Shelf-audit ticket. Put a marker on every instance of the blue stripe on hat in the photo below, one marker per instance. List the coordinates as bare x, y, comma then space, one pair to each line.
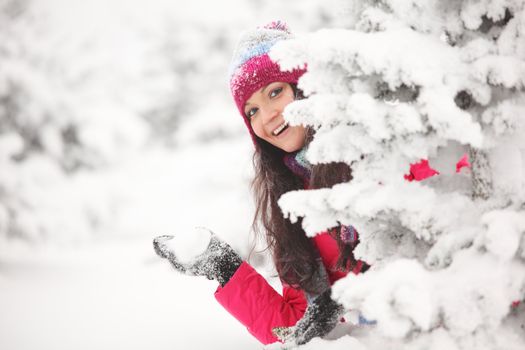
250, 52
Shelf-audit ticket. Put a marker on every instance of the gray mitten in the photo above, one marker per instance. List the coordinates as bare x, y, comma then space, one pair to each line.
320, 318
219, 261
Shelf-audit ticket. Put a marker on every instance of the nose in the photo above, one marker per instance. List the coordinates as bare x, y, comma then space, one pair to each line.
270, 112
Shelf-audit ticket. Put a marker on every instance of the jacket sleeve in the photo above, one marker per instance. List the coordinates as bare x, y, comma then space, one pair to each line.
252, 301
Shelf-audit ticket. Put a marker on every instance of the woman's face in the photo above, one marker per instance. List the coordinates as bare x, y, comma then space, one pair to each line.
264, 110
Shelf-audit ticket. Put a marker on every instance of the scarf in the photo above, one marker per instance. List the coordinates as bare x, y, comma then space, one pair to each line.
297, 163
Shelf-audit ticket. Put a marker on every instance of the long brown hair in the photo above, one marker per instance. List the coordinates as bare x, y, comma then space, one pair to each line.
294, 255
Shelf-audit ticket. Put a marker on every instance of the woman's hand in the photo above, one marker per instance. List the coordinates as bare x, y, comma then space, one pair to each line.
218, 261
320, 318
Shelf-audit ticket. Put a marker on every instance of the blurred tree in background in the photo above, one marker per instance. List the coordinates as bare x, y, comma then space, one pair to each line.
36, 117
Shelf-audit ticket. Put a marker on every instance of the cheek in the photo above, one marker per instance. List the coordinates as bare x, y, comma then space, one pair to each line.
302, 140
257, 129
301, 131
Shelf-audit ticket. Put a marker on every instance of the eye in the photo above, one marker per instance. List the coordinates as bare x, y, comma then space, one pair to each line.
251, 112
275, 92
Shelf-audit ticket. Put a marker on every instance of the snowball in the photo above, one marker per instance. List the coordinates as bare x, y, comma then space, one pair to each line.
189, 244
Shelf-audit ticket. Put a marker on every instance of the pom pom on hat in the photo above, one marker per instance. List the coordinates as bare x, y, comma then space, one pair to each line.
251, 68
278, 25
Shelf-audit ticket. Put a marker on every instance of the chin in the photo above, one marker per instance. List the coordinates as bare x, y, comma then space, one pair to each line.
291, 148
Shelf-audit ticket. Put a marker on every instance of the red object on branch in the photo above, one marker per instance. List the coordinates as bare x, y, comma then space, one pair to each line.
420, 171
463, 162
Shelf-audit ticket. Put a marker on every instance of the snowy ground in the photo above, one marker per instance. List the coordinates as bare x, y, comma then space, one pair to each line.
113, 292
111, 295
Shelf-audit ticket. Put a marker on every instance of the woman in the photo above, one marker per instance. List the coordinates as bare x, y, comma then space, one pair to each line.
306, 266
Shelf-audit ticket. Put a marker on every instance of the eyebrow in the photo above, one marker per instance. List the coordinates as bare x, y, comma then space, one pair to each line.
262, 92
264, 88
249, 103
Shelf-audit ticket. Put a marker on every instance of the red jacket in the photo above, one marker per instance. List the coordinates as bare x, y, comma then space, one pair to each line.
252, 301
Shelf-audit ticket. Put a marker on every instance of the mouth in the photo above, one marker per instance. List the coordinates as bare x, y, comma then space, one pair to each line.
280, 129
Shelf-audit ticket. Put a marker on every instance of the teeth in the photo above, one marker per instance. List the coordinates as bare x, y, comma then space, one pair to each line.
280, 128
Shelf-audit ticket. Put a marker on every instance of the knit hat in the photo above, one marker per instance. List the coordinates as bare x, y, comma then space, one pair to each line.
251, 67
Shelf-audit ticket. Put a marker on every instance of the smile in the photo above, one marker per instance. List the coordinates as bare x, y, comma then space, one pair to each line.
280, 129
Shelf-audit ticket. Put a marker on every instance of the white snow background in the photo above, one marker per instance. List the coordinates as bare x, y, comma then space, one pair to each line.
79, 271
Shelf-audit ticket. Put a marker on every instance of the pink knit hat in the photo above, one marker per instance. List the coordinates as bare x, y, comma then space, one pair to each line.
251, 67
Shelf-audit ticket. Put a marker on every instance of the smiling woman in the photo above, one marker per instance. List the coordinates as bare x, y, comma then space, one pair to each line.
306, 266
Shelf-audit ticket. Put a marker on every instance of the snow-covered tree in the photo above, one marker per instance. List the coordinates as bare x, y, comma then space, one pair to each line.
438, 85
